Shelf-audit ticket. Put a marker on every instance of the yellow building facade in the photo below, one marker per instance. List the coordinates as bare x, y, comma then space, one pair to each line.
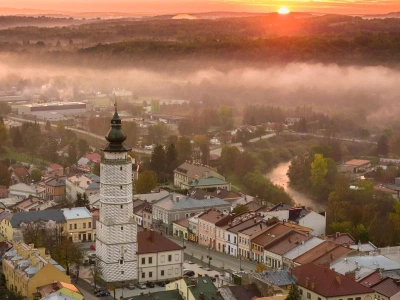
79, 224
26, 268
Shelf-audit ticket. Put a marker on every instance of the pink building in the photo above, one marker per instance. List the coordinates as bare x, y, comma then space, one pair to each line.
206, 227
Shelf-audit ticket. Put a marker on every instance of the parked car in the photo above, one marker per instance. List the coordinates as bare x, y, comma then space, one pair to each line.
141, 286
150, 284
103, 294
131, 286
161, 283
188, 273
93, 247
99, 289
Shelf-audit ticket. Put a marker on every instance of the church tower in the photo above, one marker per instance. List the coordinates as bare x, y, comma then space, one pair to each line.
116, 229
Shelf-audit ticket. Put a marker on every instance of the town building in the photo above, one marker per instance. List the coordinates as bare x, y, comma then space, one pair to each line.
186, 173
242, 222
61, 288
241, 292
12, 225
245, 237
180, 228
300, 216
275, 280
55, 188
200, 288
116, 229
55, 170
273, 252
355, 166
20, 174
159, 259
207, 226
387, 289
153, 196
21, 191
318, 282
344, 239
88, 184
26, 268
324, 254
79, 224
307, 245
148, 217
31, 203
48, 111
210, 183
193, 230
175, 206
161, 295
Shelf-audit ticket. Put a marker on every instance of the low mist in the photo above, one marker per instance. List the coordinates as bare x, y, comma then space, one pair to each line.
368, 93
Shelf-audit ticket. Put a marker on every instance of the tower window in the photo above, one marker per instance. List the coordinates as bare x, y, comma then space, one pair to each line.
120, 168
121, 261
122, 227
122, 272
120, 187
122, 206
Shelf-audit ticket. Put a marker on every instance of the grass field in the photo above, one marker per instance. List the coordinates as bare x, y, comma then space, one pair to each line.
10, 153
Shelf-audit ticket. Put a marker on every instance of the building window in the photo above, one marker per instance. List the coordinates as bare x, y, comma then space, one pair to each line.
358, 298
301, 292
170, 259
122, 272
89, 224
122, 206
120, 168
121, 261
143, 260
84, 225
143, 275
319, 298
150, 260
162, 258
308, 295
349, 298
150, 274
162, 272
70, 226
176, 257
122, 227
75, 226
120, 187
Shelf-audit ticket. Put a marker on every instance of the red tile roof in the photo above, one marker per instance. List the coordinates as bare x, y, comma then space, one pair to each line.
286, 242
326, 282
387, 287
213, 216
153, 242
371, 279
182, 222
94, 157
21, 173
315, 252
269, 235
338, 252
341, 238
55, 167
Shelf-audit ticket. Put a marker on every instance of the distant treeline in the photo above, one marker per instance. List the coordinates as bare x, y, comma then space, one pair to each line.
372, 49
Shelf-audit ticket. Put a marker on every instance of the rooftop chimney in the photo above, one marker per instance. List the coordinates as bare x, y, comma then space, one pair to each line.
338, 278
201, 295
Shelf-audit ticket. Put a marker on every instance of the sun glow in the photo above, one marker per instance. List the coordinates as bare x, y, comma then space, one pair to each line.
283, 10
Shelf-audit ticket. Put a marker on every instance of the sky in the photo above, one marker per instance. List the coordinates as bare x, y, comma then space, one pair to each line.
190, 6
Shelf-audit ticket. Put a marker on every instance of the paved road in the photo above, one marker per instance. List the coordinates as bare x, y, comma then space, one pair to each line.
217, 151
218, 259
83, 132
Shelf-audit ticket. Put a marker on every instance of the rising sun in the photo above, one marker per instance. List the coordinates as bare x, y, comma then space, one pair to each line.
283, 10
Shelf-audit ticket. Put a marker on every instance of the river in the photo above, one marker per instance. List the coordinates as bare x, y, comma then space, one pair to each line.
279, 177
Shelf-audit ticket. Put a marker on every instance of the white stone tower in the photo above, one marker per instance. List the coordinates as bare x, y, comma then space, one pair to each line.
116, 229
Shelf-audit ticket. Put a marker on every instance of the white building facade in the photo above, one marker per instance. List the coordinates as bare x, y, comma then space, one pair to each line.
116, 228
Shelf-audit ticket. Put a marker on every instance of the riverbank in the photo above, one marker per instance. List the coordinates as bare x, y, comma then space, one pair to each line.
278, 176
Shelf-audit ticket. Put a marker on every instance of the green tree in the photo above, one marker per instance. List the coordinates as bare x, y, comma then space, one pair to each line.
146, 182
240, 208
229, 155
97, 272
201, 149
3, 135
294, 293
319, 168
17, 138
172, 160
72, 154
260, 268
184, 148
60, 128
157, 133
83, 147
36, 175
5, 175
382, 146
47, 126
82, 200
158, 161
226, 118
245, 163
